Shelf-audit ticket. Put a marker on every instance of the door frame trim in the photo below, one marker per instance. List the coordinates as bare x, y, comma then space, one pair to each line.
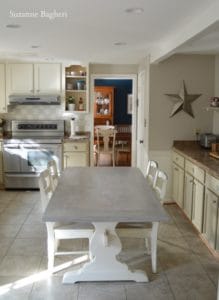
132, 77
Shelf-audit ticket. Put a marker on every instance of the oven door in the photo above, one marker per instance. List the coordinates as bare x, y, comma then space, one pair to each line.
11, 157
36, 157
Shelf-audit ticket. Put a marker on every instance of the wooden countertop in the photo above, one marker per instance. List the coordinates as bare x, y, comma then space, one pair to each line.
199, 155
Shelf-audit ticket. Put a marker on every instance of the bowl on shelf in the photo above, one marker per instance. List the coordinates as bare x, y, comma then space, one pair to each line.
214, 101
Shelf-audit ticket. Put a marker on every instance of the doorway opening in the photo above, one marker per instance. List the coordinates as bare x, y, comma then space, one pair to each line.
112, 105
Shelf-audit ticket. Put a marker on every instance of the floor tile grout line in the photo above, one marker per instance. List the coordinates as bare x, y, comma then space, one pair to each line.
15, 237
169, 285
206, 272
197, 257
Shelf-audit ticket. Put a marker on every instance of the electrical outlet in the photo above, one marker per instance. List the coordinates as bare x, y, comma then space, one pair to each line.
197, 131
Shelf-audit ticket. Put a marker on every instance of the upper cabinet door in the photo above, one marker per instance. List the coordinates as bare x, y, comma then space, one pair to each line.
47, 78
20, 78
2, 90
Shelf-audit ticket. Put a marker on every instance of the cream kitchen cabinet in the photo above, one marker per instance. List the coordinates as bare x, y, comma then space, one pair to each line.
211, 223
76, 154
178, 178
47, 78
197, 204
1, 166
194, 193
188, 193
19, 78
2, 89
29, 79
211, 216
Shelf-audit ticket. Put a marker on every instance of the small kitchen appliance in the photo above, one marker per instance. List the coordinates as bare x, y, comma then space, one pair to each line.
206, 139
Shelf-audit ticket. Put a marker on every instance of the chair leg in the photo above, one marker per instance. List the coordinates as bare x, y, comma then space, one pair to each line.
154, 232
148, 245
51, 245
117, 160
98, 160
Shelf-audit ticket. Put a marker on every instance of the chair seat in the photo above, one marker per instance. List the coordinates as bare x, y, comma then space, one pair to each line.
102, 150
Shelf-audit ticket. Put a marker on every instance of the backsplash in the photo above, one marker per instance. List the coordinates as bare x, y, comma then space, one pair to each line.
46, 112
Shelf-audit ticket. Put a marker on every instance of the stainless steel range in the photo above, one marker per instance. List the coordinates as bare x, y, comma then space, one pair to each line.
27, 153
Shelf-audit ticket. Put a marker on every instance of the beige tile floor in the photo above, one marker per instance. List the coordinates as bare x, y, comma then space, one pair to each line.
186, 269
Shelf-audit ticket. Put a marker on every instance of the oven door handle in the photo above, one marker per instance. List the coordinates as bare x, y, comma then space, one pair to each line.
31, 147
11, 147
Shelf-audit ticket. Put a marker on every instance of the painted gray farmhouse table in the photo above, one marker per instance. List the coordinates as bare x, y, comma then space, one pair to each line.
104, 196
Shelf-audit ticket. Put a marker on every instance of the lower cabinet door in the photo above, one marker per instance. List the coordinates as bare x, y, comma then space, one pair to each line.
210, 217
197, 204
188, 194
178, 185
75, 159
1, 165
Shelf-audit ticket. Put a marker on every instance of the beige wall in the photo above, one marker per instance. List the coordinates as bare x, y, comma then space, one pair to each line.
113, 69
166, 77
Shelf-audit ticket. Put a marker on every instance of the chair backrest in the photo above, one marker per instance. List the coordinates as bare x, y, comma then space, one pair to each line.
46, 188
53, 170
152, 168
160, 184
106, 136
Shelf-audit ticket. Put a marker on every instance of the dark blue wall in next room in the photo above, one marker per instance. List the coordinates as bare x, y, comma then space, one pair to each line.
123, 87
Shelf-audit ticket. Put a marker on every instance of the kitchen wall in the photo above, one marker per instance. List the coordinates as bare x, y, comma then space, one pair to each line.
113, 69
198, 73
49, 112
83, 121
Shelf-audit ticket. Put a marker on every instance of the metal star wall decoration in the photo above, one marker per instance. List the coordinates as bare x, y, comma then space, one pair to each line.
183, 101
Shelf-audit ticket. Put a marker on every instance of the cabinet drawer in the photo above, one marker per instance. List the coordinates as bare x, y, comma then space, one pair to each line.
194, 170
212, 183
178, 159
76, 147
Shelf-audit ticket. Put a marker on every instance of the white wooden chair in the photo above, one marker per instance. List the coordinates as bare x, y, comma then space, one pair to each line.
53, 170
106, 136
122, 147
160, 184
152, 168
145, 230
57, 232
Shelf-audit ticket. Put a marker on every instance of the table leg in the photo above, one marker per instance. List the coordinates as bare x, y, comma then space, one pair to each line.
154, 232
104, 246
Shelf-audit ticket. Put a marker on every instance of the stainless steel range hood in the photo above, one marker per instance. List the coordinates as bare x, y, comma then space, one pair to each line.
34, 100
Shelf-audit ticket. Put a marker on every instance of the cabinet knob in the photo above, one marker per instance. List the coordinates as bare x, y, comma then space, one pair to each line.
76, 147
176, 169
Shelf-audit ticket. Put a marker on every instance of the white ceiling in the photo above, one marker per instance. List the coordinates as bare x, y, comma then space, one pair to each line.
91, 28
207, 42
